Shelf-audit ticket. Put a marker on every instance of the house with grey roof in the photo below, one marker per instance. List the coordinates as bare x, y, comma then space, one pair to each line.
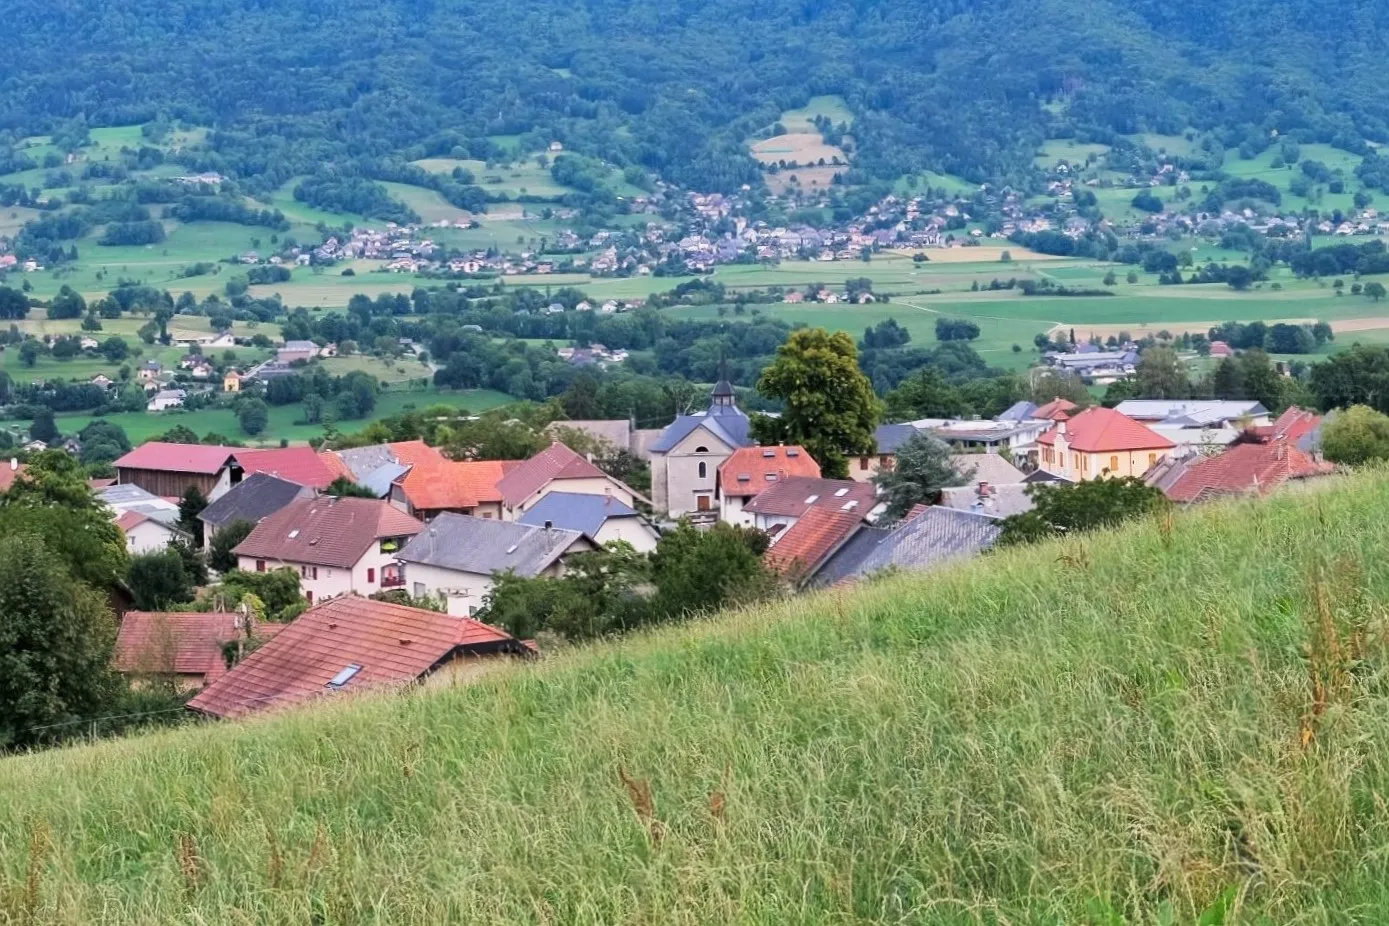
934, 537
685, 459
1194, 413
456, 557
888, 438
253, 499
602, 519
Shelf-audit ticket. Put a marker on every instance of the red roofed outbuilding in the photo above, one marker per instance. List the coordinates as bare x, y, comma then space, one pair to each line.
353, 644
1098, 443
190, 647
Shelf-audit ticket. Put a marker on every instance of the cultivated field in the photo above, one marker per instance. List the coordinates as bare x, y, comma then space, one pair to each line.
1179, 722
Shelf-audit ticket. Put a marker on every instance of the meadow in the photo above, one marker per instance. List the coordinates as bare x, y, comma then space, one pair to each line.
285, 420
1178, 722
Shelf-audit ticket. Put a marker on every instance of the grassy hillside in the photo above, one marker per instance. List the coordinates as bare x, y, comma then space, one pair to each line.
1183, 720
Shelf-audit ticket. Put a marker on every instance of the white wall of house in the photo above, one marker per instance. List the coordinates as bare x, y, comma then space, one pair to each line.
631, 530
319, 582
685, 483
765, 522
149, 537
732, 509
585, 486
463, 592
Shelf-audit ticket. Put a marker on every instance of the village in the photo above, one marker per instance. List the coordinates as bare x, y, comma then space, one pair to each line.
422, 529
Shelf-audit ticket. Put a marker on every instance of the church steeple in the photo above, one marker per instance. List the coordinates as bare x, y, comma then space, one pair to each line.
723, 396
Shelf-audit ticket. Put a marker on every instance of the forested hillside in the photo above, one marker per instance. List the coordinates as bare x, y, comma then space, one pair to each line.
679, 87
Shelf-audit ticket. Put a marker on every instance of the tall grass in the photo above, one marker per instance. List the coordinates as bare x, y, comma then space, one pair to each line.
1183, 720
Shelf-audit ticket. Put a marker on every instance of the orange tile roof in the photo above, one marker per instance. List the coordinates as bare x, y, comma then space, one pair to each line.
1246, 468
336, 466
805, 544
391, 644
414, 451
326, 531
1056, 410
554, 462
450, 485
751, 469
1103, 430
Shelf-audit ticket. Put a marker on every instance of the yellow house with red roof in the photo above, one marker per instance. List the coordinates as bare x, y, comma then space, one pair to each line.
1100, 443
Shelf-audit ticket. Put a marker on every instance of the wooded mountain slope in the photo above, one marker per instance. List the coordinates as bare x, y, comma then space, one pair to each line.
1182, 720
679, 86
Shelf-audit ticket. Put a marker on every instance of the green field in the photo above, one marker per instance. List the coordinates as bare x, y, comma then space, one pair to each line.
802, 120
429, 204
142, 426
1179, 722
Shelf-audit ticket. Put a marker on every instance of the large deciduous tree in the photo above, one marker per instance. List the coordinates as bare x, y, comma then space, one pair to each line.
1161, 375
1355, 436
1067, 509
829, 405
922, 469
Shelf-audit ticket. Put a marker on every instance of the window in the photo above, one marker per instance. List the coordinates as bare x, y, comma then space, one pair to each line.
371, 575
1152, 459
260, 565
303, 572
346, 675
419, 590
1114, 464
863, 463
315, 572
308, 596
701, 450
703, 470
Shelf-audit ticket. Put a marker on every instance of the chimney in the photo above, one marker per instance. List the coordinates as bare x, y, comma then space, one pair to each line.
14, 464
984, 491
549, 525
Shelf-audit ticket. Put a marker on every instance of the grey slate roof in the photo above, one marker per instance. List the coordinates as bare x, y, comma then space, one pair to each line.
1002, 500
484, 546
126, 495
380, 479
933, 537
576, 512
987, 467
363, 461
257, 496
892, 436
728, 423
1019, 411
1189, 413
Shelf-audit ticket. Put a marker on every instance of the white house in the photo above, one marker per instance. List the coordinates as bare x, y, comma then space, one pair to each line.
456, 556
337, 545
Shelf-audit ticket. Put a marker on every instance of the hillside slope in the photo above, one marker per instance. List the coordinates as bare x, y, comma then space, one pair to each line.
1121, 728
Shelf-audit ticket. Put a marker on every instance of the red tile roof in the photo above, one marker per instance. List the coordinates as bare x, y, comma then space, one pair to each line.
301, 465
554, 462
751, 469
449, 485
131, 519
414, 451
326, 531
391, 643
1103, 430
1294, 424
805, 544
1246, 468
795, 495
186, 643
8, 471
1056, 410
177, 458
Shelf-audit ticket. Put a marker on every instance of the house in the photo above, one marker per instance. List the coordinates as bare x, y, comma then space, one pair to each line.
256, 497
557, 469
887, 437
618, 434
1220, 350
1057, 409
988, 499
806, 545
166, 399
686, 457
750, 470
456, 556
296, 351
783, 503
189, 647
231, 381
927, 539
380, 465
1100, 442
300, 465
337, 545
150, 370
1194, 413
101, 380
8, 473
986, 467
431, 487
1264, 459
150, 531
601, 518
354, 644
169, 470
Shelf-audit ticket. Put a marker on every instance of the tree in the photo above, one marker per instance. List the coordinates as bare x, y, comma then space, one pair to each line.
44, 428
56, 637
829, 406
1160, 375
1054, 385
13, 303
923, 468
696, 571
1375, 290
1355, 436
253, 415
344, 487
158, 581
189, 507
102, 442
925, 394
1081, 506
115, 349
1262, 382
955, 329
219, 554
67, 304
1110, 279
29, 352
276, 589
179, 434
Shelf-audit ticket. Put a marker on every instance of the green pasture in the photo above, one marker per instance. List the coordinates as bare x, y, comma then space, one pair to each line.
801, 120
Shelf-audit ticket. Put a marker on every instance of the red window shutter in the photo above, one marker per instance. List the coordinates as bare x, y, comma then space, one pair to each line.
260, 565
371, 575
